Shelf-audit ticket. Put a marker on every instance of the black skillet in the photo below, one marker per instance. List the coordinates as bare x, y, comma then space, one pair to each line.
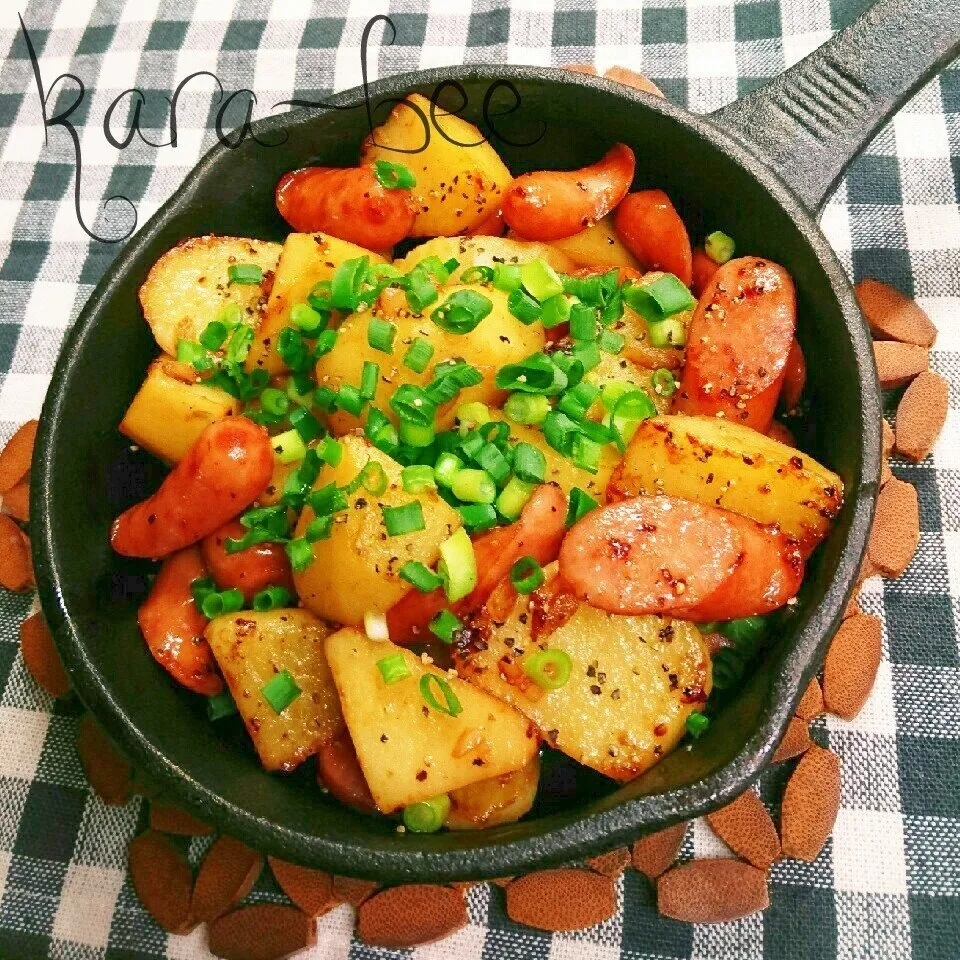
760, 169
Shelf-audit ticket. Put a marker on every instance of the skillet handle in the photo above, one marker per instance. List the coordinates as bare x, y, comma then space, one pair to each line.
809, 123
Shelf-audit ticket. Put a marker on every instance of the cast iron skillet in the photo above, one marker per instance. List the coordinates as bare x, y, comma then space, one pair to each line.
760, 169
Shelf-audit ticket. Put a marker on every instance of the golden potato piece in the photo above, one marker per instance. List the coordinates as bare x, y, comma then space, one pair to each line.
457, 186
633, 683
408, 750
485, 252
306, 259
714, 461
251, 648
188, 286
598, 247
499, 339
356, 569
488, 803
171, 409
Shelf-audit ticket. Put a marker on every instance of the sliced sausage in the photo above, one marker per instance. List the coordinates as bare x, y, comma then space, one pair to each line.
794, 377
651, 229
251, 570
338, 769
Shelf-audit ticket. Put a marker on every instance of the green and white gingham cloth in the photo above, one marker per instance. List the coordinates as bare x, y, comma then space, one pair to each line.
887, 886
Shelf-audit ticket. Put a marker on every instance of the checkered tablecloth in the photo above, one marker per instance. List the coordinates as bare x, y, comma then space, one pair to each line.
888, 884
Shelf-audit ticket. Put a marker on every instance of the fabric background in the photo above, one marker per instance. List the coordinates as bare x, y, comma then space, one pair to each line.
887, 884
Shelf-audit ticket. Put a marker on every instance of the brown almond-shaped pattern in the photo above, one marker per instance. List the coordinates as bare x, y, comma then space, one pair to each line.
899, 363
168, 818
887, 438
587, 68
16, 456
810, 804
747, 829
853, 606
411, 915
895, 535
227, 875
310, 890
921, 414
850, 667
712, 891
162, 879
653, 854
40, 655
502, 882
886, 474
630, 78
262, 931
811, 703
566, 898
795, 741
16, 570
106, 771
353, 891
892, 316
16, 502
611, 864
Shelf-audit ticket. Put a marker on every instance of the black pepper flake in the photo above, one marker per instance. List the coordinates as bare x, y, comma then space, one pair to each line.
422, 775
595, 689
383, 738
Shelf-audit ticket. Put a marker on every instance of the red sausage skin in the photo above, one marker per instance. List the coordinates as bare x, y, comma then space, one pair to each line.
651, 229
251, 570
173, 626
346, 202
227, 468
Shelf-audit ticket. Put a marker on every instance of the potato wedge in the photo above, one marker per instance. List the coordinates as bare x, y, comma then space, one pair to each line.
356, 569
598, 247
488, 803
458, 186
485, 252
251, 648
306, 259
500, 338
188, 286
633, 683
713, 461
172, 408
408, 750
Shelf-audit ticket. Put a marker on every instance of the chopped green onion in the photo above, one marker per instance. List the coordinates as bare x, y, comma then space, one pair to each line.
412, 405
536, 374
526, 575
477, 274
300, 554
529, 463
320, 528
393, 176
418, 478
526, 408
513, 497
329, 499
292, 350
668, 333
660, 299
274, 401
380, 334
230, 315
288, 447
473, 414
559, 431
241, 340
663, 382
245, 273
719, 247
477, 517
588, 354
369, 379
347, 283
628, 413
548, 669
457, 565
349, 399
393, 668
494, 462
561, 309
271, 598
200, 588
444, 626
523, 306
420, 576
474, 486
373, 478
190, 352
330, 452
596, 432
472, 444
407, 518
611, 342
540, 280
324, 344
462, 311
216, 603
420, 290
611, 311
213, 335
697, 725
437, 268
220, 705
446, 468
427, 816
325, 399
305, 423
583, 323
581, 503
451, 705
320, 297
307, 319
586, 453
418, 355
746, 632
506, 277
